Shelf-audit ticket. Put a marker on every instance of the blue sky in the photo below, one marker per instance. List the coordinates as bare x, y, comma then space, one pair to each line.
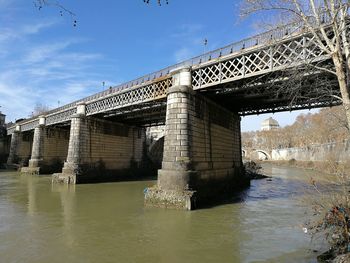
44, 59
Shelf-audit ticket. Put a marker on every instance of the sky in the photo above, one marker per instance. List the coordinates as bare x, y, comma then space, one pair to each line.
45, 59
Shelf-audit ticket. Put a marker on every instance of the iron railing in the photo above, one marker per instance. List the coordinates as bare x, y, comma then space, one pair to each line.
255, 41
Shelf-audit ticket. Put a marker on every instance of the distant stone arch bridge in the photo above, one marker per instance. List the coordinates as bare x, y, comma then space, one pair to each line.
256, 154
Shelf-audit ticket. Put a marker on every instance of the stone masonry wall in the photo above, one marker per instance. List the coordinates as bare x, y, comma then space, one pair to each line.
55, 145
202, 149
4, 148
24, 148
215, 137
115, 145
321, 152
4, 145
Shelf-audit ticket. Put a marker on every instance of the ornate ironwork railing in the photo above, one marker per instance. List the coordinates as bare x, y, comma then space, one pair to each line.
30, 125
301, 49
128, 97
61, 116
11, 129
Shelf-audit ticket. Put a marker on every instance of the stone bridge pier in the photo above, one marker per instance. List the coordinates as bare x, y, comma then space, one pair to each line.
20, 147
48, 149
202, 158
101, 150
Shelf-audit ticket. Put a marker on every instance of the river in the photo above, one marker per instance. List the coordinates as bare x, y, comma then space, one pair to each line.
41, 222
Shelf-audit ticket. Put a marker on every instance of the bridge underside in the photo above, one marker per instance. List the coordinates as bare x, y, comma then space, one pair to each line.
200, 108
276, 92
146, 114
269, 93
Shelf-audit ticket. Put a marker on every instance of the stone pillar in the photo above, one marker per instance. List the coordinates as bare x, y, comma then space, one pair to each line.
14, 145
76, 151
38, 145
177, 151
174, 178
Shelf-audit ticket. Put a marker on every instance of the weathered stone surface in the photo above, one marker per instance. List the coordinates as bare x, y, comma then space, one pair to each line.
49, 149
154, 196
38, 146
101, 150
202, 151
30, 170
15, 137
318, 152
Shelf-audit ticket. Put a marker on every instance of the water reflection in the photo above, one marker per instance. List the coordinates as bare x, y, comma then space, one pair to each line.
108, 223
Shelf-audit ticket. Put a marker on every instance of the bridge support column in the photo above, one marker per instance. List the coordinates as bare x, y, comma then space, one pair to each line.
202, 159
173, 179
36, 158
101, 150
76, 150
13, 154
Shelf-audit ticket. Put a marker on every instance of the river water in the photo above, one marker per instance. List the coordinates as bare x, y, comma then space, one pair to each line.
41, 222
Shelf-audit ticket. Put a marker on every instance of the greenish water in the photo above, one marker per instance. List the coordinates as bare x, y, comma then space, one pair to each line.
41, 222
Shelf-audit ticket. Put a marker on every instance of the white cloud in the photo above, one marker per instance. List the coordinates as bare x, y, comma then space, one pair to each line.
8, 33
183, 54
190, 39
36, 28
187, 30
5, 3
47, 72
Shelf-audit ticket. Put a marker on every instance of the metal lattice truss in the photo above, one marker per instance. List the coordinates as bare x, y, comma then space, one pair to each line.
249, 63
301, 88
147, 114
136, 96
61, 116
11, 129
30, 125
209, 72
284, 107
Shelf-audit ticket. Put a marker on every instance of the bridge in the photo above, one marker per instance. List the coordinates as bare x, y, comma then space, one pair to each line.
256, 154
199, 101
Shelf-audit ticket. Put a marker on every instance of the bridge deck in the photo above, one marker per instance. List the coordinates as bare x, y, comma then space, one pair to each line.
249, 77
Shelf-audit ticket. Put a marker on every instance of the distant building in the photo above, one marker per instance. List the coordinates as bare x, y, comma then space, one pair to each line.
2, 125
269, 124
2, 119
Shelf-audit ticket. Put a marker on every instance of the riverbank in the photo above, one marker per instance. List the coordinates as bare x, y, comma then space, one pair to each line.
254, 171
334, 208
330, 166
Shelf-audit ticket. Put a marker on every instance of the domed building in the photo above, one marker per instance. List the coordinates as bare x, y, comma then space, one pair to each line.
269, 124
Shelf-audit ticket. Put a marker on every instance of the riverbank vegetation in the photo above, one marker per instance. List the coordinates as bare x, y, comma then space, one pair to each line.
329, 166
326, 126
253, 170
329, 204
331, 213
